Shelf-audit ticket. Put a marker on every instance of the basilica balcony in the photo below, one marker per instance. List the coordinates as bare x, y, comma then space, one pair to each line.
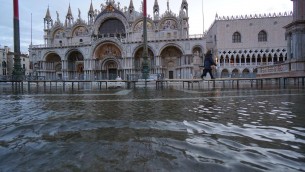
62, 45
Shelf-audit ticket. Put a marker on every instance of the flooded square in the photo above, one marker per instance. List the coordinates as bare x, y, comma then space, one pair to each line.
147, 129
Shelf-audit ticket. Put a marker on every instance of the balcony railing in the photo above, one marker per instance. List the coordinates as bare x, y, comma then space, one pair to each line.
120, 38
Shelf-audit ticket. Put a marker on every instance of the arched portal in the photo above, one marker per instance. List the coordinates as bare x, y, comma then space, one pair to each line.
225, 73
53, 67
170, 62
139, 59
235, 73
246, 73
108, 57
75, 65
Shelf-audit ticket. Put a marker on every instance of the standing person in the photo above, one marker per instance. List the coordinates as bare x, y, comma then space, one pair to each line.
208, 63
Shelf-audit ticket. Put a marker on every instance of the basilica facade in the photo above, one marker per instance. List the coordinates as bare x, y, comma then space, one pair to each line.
109, 43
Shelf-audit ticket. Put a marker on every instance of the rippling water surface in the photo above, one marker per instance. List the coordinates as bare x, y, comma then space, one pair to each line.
153, 130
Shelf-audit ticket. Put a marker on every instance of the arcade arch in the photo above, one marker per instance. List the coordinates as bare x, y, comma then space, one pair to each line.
138, 59
225, 73
107, 57
52, 66
75, 65
171, 59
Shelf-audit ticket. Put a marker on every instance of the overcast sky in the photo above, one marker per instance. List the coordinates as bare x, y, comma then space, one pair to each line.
38, 10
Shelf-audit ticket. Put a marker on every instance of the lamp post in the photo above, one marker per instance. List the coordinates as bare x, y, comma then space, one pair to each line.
18, 71
145, 65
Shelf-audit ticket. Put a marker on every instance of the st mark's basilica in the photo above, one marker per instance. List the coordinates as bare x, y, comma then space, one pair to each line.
109, 43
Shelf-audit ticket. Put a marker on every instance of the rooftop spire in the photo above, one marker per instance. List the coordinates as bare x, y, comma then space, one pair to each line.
156, 6
48, 16
91, 11
167, 5
69, 14
131, 7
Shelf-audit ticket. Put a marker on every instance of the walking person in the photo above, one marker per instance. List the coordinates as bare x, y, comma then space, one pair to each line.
208, 63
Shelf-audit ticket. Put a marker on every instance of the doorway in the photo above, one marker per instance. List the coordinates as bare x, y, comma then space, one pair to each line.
171, 74
112, 74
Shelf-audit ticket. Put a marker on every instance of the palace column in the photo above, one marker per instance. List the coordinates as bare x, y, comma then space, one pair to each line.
296, 39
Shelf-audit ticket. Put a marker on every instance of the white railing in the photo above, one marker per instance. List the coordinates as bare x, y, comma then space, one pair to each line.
59, 45
123, 40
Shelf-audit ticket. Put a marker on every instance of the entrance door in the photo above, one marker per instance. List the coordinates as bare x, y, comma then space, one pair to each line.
112, 74
171, 74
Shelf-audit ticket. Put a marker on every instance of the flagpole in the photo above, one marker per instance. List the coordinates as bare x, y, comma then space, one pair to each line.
18, 71
202, 18
31, 30
145, 66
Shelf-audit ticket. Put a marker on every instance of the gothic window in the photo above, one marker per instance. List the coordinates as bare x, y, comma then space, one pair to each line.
236, 38
262, 36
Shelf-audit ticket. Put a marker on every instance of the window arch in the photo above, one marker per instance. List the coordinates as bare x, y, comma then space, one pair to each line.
236, 38
262, 36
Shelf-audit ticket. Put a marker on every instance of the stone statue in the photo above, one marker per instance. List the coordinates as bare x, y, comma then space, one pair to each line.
79, 14
57, 16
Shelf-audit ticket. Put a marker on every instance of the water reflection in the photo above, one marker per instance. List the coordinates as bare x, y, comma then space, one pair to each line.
153, 130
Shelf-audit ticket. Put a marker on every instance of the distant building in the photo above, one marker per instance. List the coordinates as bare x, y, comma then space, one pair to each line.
295, 34
241, 44
3, 61
7, 62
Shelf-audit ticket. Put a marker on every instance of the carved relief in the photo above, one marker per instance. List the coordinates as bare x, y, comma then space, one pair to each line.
80, 31
139, 26
169, 24
108, 50
59, 34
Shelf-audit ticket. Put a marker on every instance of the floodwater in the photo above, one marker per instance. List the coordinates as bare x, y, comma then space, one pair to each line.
172, 129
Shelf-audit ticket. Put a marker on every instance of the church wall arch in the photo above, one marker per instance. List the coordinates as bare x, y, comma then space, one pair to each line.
138, 59
58, 32
52, 66
107, 49
137, 26
171, 45
172, 58
100, 42
169, 23
107, 16
107, 60
47, 55
74, 64
140, 47
79, 30
69, 51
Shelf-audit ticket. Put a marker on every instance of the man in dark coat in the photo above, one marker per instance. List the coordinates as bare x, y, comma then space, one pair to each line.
208, 63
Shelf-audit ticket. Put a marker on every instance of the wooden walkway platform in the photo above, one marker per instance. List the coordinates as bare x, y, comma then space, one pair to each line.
186, 83
259, 82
